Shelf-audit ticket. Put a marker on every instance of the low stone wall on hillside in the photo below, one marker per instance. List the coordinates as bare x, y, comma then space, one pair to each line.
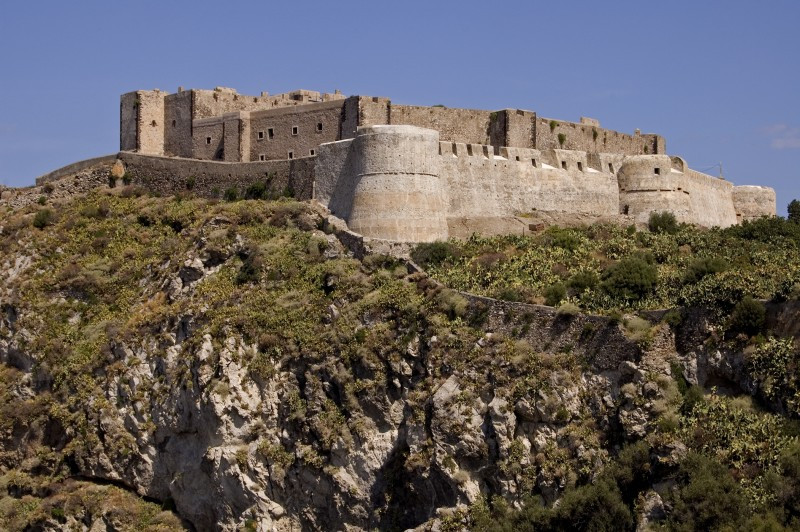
172, 175
75, 168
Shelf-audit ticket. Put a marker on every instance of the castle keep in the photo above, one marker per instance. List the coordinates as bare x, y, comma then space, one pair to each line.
410, 173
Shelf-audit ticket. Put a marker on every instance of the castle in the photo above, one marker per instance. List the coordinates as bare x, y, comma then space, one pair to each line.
410, 173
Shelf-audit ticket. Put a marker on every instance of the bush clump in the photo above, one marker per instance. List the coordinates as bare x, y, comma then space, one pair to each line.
554, 293
43, 218
663, 222
748, 317
231, 194
582, 281
630, 279
434, 253
257, 191
699, 268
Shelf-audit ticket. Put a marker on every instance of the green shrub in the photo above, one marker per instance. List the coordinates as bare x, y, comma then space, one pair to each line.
126, 179
568, 310
629, 279
554, 293
748, 317
112, 181
582, 281
765, 229
662, 222
250, 270
42, 200
48, 188
43, 218
773, 366
562, 138
699, 268
597, 507
231, 194
707, 496
190, 182
433, 253
553, 125
257, 191
563, 238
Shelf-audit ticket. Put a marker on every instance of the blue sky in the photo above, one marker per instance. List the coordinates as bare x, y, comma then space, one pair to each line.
720, 80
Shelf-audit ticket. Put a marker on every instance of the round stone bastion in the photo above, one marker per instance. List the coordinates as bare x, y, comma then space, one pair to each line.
398, 193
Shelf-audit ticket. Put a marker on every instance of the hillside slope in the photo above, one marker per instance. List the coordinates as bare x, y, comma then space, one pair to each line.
219, 366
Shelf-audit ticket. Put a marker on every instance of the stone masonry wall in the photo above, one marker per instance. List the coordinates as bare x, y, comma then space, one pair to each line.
594, 139
453, 125
150, 121
128, 111
656, 183
178, 124
208, 139
482, 185
315, 124
753, 202
170, 175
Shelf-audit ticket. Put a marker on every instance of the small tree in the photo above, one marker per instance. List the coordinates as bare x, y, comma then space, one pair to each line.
794, 211
662, 222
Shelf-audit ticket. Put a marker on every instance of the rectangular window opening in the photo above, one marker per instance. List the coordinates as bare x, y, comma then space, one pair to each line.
611, 168
208, 140
564, 165
270, 133
262, 157
533, 162
580, 166
469, 150
291, 155
518, 157
260, 135
319, 126
312, 152
658, 171
294, 130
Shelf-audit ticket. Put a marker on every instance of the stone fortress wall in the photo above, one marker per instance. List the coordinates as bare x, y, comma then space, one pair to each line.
412, 173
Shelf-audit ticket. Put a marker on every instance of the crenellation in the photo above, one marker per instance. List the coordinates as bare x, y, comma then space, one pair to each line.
408, 172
